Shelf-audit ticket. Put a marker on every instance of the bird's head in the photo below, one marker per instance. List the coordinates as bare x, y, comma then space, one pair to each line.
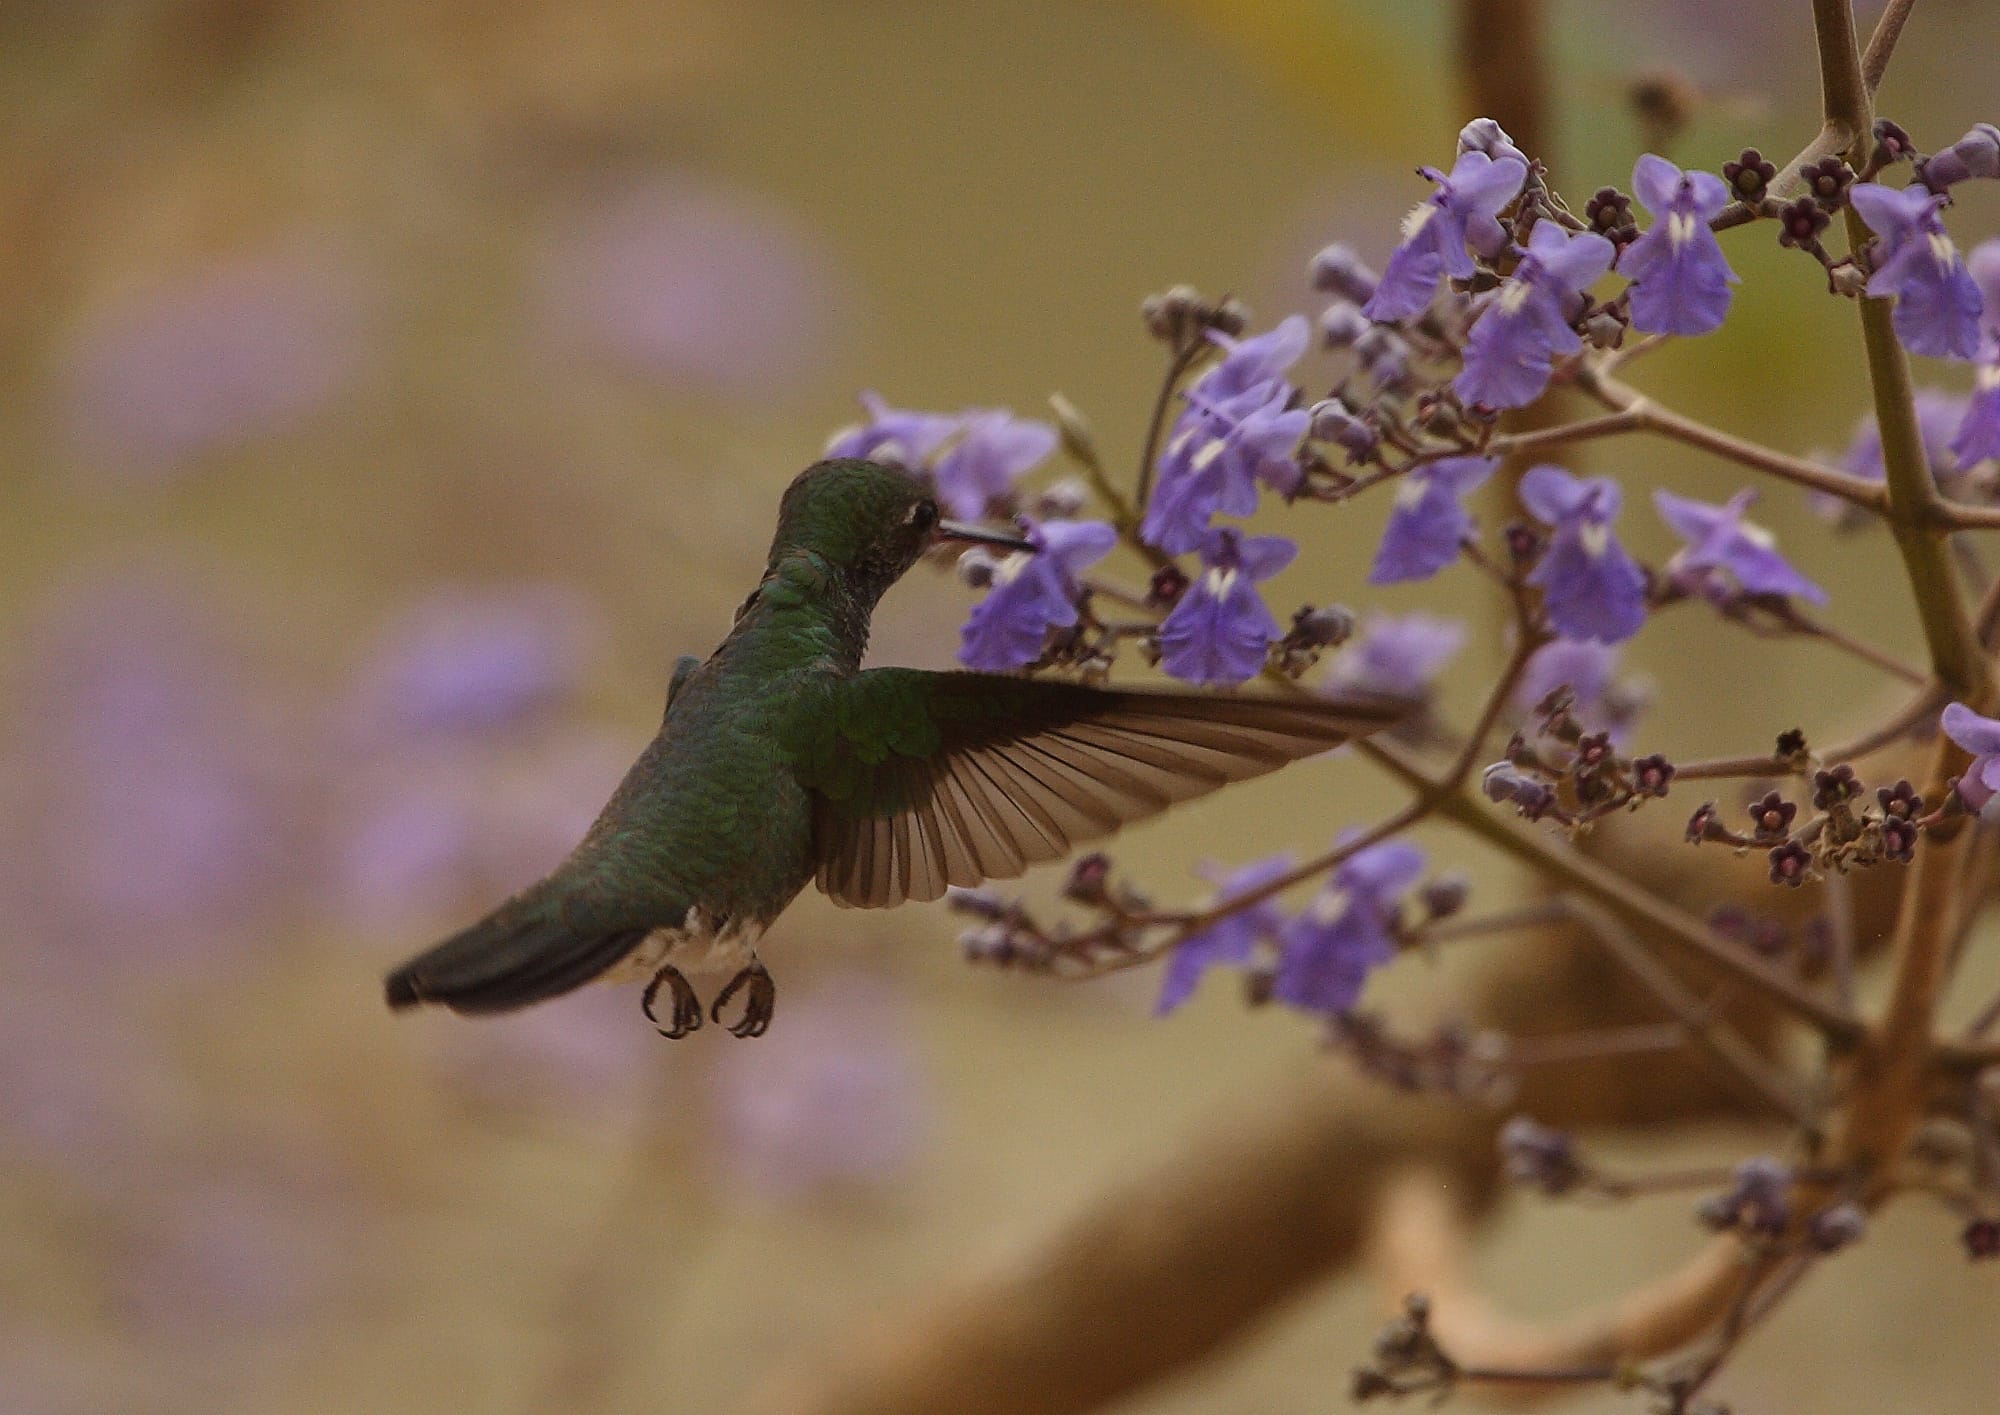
869, 521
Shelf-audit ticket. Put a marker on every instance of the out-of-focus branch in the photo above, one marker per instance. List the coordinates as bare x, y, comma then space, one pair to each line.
1501, 64
1892, 1072
1160, 1270
1419, 1245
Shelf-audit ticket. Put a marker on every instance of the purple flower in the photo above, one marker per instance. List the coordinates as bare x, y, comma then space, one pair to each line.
1591, 588
1189, 490
1978, 435
1032, 594
1238, 429
1254, 363
1221, 629
1512, 349
1720, 541
1214, 463
1230, 939
1429, 523
1980, 784
1396, 656
991, 453
1345, 933
1937, 303
1680, 279
894, 435
1463, 211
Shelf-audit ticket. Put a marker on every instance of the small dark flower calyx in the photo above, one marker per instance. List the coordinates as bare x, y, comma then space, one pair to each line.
1749, 175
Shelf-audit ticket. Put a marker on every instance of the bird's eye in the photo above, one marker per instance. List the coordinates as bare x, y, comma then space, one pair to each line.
924, 514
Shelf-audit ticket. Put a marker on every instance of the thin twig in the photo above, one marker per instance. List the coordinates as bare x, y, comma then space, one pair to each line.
1647, 415
1725, 1043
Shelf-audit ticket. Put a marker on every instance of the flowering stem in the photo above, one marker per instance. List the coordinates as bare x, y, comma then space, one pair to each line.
1728, 768
1813, 628
1893, 1070
1582, 430
1183, 360
1649, 416
1652, 918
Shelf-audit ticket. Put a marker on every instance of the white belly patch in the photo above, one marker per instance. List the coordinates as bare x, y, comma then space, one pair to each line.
695, 947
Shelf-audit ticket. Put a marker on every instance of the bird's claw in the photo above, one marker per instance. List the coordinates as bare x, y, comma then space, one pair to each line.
687, 1007
757, 1007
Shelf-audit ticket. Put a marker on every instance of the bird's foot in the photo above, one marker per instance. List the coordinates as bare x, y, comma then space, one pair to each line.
757, 1007
687, 1007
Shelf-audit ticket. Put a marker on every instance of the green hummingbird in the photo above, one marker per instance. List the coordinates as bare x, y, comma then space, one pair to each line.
780, 761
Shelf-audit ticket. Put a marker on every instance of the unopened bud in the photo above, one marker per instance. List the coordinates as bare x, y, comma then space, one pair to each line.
1977, 154
1339, 271
1079, 440
977, 568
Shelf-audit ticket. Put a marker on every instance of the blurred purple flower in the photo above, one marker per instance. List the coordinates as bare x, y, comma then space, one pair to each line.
991, 454
834, 1099
467, 660
419, 834
1600, 701
1591, 588
1229, 941
1396, 656
1462, 212
224, 1254
1344, 934
1221, 630
143, 810
1938, 416
1429, 524
894, 435
580, 1058
1937, 302
1032, 594
1680, 277
217, 357
1980, 736
1721, 542
79, 1086
1511, 352
1978, 435
694, 282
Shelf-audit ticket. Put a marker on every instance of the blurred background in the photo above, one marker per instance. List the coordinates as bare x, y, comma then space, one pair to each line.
389, 393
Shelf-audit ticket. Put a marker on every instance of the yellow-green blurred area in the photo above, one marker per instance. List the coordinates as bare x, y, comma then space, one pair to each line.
388, 394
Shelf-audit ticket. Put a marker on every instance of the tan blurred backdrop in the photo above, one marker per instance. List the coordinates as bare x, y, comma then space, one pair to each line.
388, 393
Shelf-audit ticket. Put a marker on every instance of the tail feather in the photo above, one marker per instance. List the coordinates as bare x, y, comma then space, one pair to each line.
521, 953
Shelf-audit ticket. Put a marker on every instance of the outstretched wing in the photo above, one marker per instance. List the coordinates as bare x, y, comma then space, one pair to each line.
924, 780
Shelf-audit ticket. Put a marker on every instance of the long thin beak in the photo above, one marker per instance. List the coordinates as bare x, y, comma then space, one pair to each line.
978, 535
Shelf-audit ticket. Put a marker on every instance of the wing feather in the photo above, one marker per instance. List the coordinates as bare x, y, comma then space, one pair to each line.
985, 775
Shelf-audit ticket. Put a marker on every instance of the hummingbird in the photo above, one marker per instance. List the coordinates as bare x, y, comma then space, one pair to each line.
780, 761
